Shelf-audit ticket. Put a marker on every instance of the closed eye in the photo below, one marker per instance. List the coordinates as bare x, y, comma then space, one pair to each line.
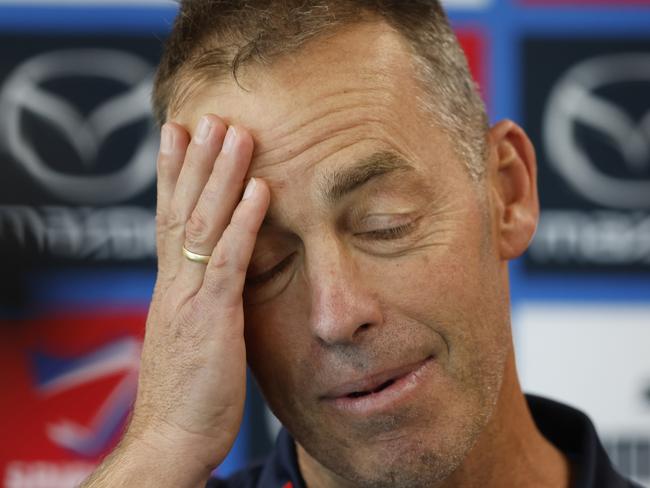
271, 274
388, 233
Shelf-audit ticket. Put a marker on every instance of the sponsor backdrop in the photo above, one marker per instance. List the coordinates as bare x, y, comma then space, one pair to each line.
77, 151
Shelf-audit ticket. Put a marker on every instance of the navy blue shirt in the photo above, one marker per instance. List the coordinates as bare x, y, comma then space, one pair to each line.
568, 429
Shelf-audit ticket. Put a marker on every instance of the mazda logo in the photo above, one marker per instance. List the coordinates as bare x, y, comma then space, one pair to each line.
23, 93
574, 99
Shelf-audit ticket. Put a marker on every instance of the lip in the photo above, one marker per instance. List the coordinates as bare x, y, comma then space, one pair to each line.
383, 390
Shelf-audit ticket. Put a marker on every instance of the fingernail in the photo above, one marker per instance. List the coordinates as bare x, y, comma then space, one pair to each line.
250, 189
202, 130
166, 140
229, 141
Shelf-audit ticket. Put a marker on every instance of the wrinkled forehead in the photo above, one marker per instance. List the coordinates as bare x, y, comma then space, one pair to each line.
359, 67
332, 104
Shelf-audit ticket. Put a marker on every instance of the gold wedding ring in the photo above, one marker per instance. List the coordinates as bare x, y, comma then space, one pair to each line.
194, 257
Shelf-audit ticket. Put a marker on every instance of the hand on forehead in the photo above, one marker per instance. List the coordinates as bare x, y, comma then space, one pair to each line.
342, 90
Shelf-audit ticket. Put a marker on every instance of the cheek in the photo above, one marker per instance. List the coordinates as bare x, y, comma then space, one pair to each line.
276, 344
278, 348
457, 291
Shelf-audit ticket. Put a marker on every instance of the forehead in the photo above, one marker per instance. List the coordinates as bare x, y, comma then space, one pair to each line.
338, 99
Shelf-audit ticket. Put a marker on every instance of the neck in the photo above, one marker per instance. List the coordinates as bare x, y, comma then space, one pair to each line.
510, 451
511, 448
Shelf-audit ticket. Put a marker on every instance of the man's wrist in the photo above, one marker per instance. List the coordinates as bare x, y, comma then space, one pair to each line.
151, 460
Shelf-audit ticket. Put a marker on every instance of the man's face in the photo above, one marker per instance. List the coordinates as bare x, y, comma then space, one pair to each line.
376, 305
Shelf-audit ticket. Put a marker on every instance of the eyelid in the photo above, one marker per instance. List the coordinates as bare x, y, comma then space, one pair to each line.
271, 274
390, 226
390, 232
382, 221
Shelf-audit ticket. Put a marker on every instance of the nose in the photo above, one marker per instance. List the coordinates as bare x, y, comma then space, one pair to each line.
343, 307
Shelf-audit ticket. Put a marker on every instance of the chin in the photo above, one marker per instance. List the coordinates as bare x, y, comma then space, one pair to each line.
418, 456
420, 465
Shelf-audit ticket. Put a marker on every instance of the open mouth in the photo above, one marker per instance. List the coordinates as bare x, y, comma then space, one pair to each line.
377, 385
381, 392
383, 386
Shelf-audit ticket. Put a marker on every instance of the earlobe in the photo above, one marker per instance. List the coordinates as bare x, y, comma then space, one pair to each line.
513, 175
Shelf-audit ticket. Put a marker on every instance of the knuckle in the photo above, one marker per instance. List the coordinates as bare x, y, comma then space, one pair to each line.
171, 299
193, 311
211, 193
196, 229
174, 220
175, 304
222, 269
232, 262
219, 261
162, 220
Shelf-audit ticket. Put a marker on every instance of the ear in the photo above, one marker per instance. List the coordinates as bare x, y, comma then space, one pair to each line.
513, 184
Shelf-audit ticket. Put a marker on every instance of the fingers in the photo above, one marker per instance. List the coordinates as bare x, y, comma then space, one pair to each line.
198, 193
226, 272
173, 144
197, 166
221, 193
214, 207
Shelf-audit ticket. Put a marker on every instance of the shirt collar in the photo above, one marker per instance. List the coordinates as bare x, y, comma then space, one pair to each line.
568, 429
572, 432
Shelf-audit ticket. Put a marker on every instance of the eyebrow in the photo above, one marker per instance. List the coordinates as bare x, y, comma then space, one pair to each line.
340, 183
